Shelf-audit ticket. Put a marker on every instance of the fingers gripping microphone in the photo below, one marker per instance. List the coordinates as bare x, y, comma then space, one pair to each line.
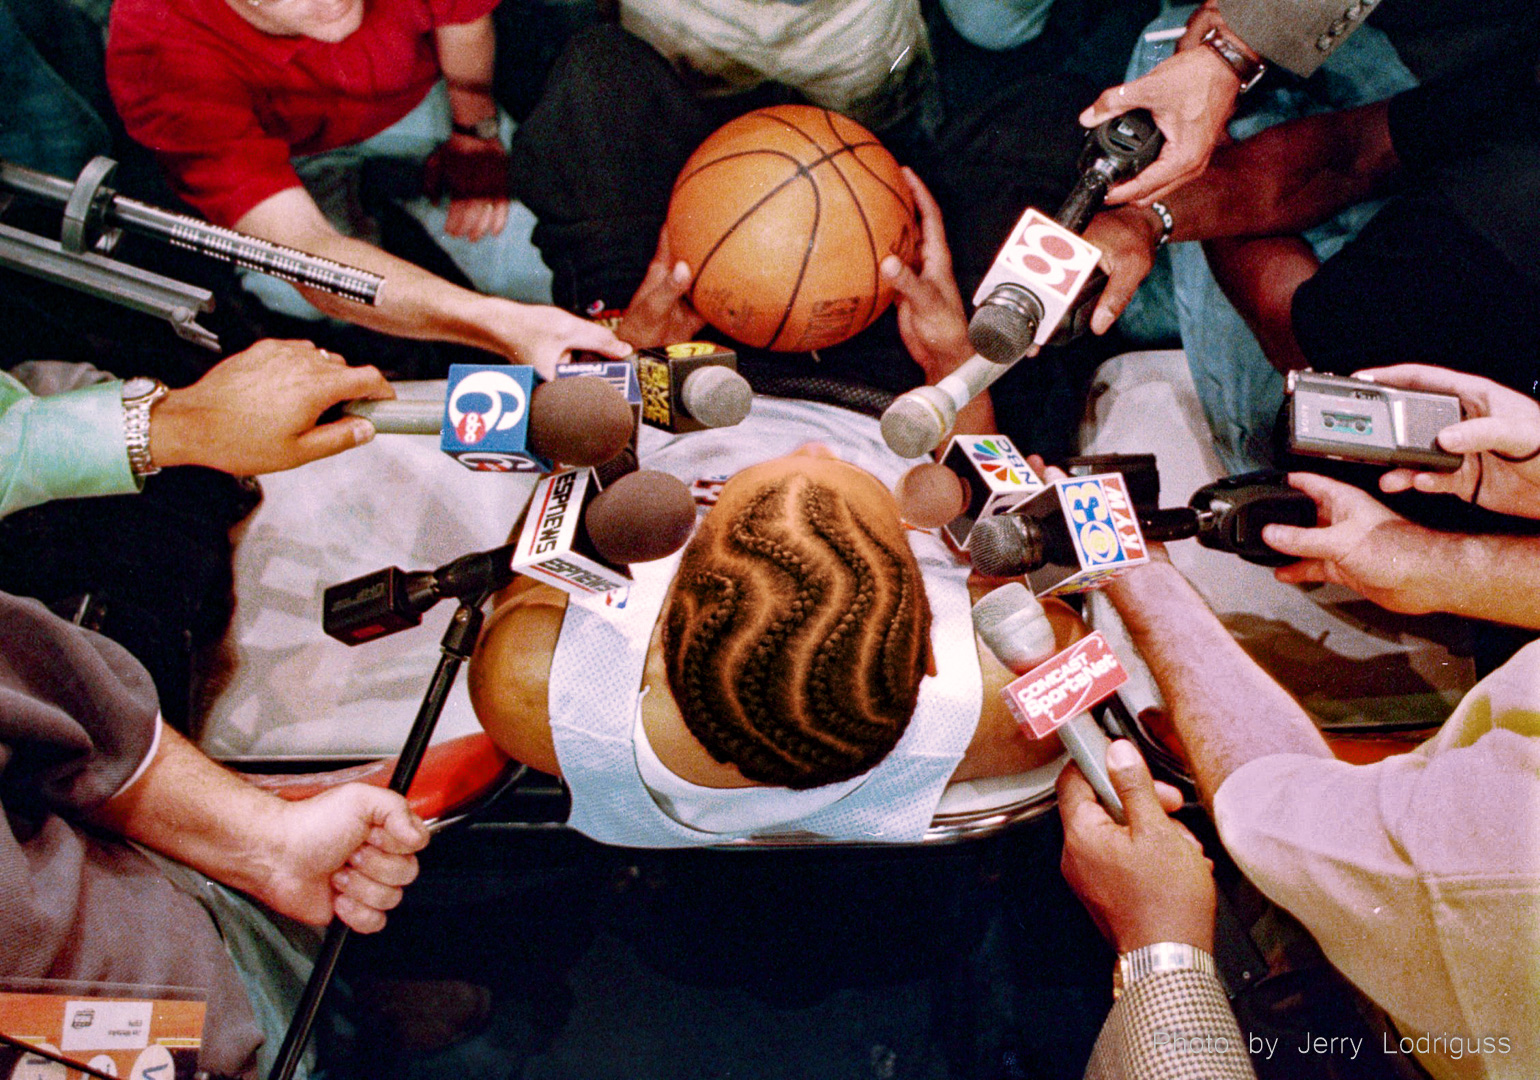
1038, 284
1012, 624
1038, 289
575, 537
495, 418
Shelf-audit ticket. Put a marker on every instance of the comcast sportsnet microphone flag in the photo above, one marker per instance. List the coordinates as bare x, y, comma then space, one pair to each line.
1065, 685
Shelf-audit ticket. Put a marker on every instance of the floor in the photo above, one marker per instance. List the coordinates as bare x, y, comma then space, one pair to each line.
966, 961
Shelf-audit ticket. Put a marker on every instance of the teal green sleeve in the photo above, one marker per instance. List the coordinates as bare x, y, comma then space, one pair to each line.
64, 446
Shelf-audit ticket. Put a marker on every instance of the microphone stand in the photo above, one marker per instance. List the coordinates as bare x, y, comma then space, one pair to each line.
458, 643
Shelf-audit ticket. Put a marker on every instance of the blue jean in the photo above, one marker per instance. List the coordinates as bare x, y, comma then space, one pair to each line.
1240, 390
506, 265
45, 124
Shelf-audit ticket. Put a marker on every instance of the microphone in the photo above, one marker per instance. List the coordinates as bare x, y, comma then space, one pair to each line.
575, 537
1043, 284
1227, 515
1054, 692
919, 419
580, 539
1040, 289
691, 386
1075, 534
978, 477
495, 418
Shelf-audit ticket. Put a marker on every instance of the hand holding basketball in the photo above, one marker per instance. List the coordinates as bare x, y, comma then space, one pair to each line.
660, 312
785, 215
931, 317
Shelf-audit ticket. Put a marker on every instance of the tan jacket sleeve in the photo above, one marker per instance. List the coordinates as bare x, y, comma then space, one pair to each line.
1173, 1025
1295, 34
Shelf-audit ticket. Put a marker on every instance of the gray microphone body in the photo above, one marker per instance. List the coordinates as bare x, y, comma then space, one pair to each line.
919, 419
1012, 624
399, 416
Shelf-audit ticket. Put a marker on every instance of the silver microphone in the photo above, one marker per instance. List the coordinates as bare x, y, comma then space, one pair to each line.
1012, 624
919, 419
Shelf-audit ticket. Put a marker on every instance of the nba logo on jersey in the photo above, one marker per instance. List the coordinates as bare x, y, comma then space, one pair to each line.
1048, 260
486, 418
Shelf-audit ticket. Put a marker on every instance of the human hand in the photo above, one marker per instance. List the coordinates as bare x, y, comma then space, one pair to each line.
660, 313
1128, 237
347, 852
474, 173
1191, 96
1362, 544
544, 336
1143, 882
1500, 438
255, 412
931, 317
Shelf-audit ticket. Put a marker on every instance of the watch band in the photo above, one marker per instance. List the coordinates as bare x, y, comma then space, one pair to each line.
1167, 222
1161, 956
139, 397
481, 129
1245, 68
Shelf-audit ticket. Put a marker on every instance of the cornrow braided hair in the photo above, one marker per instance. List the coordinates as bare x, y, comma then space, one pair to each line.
795, 637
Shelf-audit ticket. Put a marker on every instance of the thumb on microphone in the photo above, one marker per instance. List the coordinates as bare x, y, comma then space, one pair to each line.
1135, 787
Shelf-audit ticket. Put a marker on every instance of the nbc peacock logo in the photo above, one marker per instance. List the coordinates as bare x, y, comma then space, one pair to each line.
999, 459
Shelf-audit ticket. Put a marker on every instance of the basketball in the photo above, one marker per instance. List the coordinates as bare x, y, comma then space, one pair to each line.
784, 216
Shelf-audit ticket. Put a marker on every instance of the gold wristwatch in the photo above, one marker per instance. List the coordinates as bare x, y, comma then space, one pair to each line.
1161, 956
139, 397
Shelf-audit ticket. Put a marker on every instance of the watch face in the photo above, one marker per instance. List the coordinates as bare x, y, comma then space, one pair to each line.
137, 387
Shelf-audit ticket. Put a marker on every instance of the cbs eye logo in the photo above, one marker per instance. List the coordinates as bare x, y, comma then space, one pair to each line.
484, 402
1092, 522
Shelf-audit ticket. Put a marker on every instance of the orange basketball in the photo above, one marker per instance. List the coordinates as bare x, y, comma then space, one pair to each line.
784, 215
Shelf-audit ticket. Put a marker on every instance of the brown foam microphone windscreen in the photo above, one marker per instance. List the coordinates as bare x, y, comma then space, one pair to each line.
784, 216
580, 420
643, 516
930, 495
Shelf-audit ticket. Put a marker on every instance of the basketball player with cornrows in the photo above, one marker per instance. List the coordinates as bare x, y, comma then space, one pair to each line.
784, 663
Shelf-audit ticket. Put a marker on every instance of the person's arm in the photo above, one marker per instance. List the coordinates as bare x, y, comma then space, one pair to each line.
62, 446
475, 169
1363, 545
348, 851
1226, 710
1295, 34
256, 412
510, 673
1150, 889
414, 303
1277, 183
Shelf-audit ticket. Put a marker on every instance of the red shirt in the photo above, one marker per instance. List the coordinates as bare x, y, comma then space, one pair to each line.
225, 106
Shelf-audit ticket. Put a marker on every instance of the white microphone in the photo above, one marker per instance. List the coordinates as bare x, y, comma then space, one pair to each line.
919, 419
1015, 628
